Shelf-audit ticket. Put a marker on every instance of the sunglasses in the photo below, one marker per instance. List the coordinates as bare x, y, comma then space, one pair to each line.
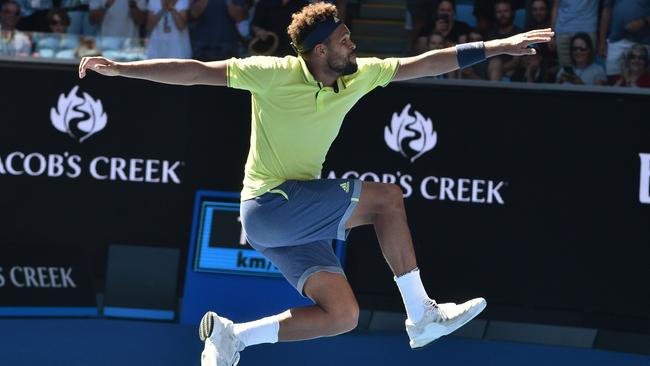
56, 22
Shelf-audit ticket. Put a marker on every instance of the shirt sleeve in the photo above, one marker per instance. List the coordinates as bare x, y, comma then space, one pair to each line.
255, 74
379, 72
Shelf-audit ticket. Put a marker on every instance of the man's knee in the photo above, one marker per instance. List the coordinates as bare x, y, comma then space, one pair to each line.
345, 317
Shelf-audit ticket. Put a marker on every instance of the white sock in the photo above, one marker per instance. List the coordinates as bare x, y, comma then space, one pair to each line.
263, 330
413, 294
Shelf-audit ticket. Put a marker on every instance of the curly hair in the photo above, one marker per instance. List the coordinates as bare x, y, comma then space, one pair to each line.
306, 20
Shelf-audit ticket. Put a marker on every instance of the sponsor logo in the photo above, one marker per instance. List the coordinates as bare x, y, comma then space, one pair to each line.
644, 184
438, 188
410, 135
78, 117
345, 186
100, 168
81, 118
38, 277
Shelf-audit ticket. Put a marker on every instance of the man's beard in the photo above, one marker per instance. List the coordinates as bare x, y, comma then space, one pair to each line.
348, 69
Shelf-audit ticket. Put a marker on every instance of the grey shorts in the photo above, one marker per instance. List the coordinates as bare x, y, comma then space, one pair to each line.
294, 224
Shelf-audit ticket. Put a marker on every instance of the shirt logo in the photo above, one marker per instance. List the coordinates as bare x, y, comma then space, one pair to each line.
410, 135
345, 186
78, 117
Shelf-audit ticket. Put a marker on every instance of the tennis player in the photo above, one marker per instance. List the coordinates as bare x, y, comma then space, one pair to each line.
289, 214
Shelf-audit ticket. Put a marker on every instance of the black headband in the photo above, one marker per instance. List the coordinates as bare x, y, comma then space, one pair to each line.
318, 35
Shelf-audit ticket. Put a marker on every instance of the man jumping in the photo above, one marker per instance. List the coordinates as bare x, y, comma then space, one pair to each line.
288, 213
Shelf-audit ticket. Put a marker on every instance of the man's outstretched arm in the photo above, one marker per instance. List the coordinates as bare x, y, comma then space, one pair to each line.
446, 60
167, 71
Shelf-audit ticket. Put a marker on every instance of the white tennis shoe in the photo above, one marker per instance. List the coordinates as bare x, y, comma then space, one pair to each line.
442, 319
222, 347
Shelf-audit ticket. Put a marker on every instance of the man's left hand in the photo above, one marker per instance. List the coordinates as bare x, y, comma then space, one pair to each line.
517, 45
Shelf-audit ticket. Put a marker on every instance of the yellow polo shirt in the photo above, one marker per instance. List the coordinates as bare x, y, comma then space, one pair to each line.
294, 118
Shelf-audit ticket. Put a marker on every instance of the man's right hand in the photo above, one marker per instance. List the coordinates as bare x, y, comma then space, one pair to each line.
100, 65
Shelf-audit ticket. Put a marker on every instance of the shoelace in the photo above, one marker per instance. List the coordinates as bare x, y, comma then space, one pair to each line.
437, 312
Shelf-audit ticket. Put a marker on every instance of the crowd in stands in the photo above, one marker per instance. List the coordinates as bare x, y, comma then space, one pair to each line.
597, 42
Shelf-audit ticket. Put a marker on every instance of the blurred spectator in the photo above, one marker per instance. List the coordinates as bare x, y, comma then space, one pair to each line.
57, 43
419, 12
13, 42
570, 17
478, 71
583, 70
33, 15
627, 22
79, 17
445, 23
484, 13
635, 68
504, 15
437, 41
167, 22
275, 16
540, 16
532, 69
214, 31
118, 18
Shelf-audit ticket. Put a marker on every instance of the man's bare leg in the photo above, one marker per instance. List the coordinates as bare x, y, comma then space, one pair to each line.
336, 310
382, 205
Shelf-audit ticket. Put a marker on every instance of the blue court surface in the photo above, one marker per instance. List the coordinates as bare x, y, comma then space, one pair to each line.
90, 342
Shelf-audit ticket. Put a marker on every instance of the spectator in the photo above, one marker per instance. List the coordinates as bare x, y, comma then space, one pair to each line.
118, 18
33, 15
484, 13
419, 12
445, 23
57, 43
635, 68
214, 30
167, 24
504, 15
627, 22
477, 71
79, 17
540, 16
13, 42
437, 41
583, 70
532, 69
275, 16
570, 17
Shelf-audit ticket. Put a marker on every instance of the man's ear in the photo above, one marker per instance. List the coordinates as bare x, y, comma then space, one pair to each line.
320, 49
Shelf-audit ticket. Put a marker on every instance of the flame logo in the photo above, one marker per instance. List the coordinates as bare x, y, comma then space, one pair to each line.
78, 117
410, 135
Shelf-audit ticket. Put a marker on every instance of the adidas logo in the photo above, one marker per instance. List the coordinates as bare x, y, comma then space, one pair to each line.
345, 186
